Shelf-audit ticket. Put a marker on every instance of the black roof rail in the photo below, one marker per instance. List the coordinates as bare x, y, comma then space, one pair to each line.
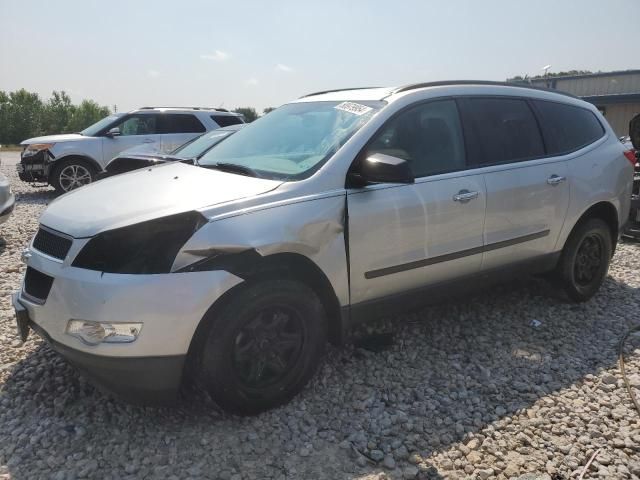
414, 86
335, 90
190, 108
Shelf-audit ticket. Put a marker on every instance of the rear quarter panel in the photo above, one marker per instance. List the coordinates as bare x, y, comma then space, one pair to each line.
597, 173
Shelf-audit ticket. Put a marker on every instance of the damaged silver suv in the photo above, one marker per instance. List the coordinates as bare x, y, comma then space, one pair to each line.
333, 209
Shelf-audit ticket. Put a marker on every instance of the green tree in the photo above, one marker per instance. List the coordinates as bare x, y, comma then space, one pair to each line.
22, 112
4, 117
249, 113
57, 113
526, 78
268, 110
85, 114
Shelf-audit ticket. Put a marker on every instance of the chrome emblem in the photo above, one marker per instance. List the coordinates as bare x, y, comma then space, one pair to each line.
26, 255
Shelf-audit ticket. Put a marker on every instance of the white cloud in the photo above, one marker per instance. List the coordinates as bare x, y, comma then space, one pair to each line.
252, 81
218, 56
284, 68
153, 73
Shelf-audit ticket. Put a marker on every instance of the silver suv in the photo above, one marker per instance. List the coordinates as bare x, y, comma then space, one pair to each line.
71, 160
333, 209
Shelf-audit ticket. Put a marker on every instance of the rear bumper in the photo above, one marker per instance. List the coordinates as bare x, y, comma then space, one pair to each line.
142, 380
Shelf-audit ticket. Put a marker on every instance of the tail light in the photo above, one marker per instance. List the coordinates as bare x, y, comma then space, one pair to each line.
631, 156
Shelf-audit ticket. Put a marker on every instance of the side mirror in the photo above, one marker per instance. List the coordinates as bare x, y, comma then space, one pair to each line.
114, 132
381, 168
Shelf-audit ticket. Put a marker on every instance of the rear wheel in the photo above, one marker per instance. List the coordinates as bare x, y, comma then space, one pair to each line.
585, 260
263, 347
72, 174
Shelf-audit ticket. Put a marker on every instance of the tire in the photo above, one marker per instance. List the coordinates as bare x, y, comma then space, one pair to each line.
263, 347
585, 260
71, 174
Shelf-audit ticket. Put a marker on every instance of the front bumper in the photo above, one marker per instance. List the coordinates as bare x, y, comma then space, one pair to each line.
143, 380
170, 307
34, 168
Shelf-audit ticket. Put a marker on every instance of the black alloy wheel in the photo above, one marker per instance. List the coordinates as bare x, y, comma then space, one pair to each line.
262, 346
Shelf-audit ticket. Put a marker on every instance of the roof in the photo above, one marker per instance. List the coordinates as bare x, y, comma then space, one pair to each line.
380, 93
612, 98
342, 94
222, 111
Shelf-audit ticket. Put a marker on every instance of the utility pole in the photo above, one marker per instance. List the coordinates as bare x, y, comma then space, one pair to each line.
546, 75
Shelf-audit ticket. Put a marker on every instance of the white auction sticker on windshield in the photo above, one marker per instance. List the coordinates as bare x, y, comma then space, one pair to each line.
355, 108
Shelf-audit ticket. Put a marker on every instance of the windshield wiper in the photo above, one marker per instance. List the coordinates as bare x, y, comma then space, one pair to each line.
233, 168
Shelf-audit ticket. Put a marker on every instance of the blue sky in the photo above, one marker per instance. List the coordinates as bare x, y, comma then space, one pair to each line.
264, 53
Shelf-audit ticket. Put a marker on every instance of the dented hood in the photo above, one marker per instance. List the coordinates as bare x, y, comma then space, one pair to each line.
147, 194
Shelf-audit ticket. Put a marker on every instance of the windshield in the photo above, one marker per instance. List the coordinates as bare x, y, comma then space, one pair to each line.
96, 127
293, 141
199, 145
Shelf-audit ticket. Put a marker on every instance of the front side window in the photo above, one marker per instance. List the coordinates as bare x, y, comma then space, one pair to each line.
505, 130
428, 136
567, 128
100, 125
138, 125
293, 141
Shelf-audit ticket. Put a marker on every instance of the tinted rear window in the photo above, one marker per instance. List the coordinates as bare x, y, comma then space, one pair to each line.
181, 123
226, 120
504, 129
567, 128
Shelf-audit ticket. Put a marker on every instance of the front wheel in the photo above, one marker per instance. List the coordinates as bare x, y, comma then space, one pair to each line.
72, 174
263, 347
585, 260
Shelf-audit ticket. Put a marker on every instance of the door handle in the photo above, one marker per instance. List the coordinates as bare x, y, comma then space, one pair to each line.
148, 140
555, 179
464, 196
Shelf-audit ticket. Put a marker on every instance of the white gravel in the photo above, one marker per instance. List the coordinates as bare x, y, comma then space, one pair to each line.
469, 389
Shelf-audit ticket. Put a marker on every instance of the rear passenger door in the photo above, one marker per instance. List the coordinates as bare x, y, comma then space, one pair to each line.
527, 190
177, 129
406, 236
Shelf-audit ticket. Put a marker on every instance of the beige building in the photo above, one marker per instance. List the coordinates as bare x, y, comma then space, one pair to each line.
616, 94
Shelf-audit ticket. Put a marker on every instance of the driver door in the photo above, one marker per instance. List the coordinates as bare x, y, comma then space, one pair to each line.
407, 236
136, 129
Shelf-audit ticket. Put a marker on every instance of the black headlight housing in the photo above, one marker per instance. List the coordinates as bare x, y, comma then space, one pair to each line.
144, 248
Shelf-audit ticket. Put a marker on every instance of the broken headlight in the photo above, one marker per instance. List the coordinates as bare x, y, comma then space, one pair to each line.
144, 248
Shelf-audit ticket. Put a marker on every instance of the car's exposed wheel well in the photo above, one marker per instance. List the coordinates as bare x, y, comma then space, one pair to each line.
79, 158
606, 212
291, 266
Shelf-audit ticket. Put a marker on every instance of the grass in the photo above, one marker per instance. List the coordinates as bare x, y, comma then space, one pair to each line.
10, 148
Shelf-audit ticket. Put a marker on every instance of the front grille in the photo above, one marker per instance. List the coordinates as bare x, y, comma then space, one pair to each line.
52, 244
37, 284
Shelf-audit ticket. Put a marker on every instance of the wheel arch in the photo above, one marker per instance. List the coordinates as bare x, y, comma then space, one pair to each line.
608, 213
293, 266
74, 156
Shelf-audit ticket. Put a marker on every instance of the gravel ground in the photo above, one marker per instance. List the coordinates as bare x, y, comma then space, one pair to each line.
495, 386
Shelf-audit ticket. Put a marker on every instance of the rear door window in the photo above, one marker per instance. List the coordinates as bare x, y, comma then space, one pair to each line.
226, 120
428, 136
567, 128
502, 130
181, 123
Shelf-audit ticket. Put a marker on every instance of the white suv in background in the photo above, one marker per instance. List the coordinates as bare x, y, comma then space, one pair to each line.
69, 161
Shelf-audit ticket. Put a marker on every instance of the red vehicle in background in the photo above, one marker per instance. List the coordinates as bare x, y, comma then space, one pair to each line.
633, 143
